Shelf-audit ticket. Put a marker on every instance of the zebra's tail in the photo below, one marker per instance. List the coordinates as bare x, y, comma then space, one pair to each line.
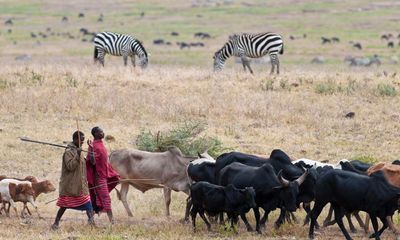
96, 52
281, 51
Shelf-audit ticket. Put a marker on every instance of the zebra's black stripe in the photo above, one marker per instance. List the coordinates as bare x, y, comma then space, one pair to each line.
250, 46
119, 45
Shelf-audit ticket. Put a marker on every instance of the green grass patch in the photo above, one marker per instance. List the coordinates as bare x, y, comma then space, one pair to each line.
366, 159
386, 90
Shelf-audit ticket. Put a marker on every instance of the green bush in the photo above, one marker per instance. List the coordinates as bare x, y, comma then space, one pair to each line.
187, 136
386, 90
327, 88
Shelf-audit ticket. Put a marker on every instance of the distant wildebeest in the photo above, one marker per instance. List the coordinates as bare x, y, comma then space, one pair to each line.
174, 34
119, 45
151, 169
250, 46
390, 44
325, 40
9, 22
202, 35
81, 15
357, 45
158, 41
64, 19
213, 199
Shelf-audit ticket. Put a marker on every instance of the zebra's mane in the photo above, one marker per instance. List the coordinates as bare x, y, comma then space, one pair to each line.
141, 46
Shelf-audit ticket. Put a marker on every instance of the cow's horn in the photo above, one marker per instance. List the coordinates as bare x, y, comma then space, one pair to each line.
283, 181
301, 179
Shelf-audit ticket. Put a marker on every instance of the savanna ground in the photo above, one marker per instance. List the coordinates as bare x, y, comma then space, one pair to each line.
300, 111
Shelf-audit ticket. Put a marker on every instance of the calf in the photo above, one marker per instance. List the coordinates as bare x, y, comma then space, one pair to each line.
280, 161
213, 199
272, 191
21, 196
353, 192
10, 191
39, 187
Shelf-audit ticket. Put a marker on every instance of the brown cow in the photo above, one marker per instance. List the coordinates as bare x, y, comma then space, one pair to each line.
167, 168
392, 175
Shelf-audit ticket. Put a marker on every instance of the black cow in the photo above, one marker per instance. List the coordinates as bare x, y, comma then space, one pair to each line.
359, 165
272, 191
214, 199
280, 161
202, 170
348, 191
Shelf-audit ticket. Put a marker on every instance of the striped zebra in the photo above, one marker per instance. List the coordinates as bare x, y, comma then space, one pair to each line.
119, 45
248, 46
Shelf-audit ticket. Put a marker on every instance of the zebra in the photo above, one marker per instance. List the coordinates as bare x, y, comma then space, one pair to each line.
248, 46
119, 45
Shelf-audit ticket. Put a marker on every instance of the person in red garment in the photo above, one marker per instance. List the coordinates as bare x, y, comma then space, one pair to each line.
101, 176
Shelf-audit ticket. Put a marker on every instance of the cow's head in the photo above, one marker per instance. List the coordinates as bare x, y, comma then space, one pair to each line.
288, 190
250, 194
48, 186
246, 196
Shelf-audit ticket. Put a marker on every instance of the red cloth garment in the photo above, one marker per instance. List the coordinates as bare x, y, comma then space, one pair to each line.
103, 200
101, 177
71, 202
103, 166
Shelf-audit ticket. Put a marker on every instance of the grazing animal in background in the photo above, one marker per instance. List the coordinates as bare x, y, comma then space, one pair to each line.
213, 199
119, 45
348, 191
247, 46
390, 44
325, 40
357, 45
167, 168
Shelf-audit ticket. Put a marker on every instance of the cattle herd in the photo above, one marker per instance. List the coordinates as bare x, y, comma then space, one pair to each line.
236, 183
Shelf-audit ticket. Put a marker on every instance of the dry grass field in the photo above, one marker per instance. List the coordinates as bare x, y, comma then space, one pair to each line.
302, 111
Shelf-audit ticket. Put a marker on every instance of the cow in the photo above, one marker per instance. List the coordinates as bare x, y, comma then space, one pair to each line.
279, 161
11, 191
272, 191
354, 192
391, 171
214, 199
323, 168
150, 170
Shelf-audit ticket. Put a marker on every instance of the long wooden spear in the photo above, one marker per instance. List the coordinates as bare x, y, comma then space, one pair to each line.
45, 143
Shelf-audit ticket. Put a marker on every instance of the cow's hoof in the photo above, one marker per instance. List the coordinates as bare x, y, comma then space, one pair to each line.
249, 229
184, 221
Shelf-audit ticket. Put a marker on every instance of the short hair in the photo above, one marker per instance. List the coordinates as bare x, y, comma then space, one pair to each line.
77, 134
94, 130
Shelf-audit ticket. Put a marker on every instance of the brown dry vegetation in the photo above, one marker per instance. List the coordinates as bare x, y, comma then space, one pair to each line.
301, 111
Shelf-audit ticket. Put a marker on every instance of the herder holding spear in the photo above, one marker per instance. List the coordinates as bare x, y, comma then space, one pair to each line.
74, 191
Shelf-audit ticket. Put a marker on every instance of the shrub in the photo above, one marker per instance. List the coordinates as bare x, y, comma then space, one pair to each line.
327, 88
386, 90
186, 136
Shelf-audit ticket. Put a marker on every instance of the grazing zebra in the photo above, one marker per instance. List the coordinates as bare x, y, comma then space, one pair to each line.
248, 46
119, 45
